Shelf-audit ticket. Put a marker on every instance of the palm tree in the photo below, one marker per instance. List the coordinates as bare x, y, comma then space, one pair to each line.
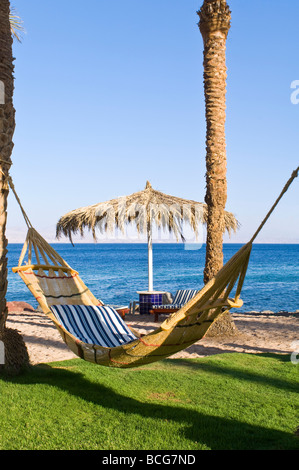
15, 350
214, 25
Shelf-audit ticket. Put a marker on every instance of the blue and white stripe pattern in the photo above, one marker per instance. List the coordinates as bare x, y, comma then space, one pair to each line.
181, 298
98, 325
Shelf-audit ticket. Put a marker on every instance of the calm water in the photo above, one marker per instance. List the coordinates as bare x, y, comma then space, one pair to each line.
114, 272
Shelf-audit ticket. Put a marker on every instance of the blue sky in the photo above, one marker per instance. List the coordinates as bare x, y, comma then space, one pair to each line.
109, 95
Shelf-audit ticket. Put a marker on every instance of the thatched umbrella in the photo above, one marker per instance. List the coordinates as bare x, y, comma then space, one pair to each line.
143, 209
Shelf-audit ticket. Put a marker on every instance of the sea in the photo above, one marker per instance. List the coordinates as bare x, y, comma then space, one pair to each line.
115, 272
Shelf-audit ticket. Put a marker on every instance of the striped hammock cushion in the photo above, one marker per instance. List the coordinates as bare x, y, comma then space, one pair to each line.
99, 325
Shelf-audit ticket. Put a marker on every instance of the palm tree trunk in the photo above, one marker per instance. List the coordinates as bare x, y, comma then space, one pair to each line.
214, 25
16, 355
7, 125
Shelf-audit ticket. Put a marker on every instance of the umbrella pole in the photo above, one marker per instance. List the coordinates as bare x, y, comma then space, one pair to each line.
150, 258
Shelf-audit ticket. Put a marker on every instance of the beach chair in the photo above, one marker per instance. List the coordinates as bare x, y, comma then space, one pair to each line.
180, 299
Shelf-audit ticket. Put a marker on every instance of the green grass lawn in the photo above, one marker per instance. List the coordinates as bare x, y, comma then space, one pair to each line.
229, 401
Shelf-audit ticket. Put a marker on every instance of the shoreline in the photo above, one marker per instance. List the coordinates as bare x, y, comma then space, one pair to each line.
258, 332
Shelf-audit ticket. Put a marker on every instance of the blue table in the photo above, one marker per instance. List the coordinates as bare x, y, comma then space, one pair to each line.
148, 299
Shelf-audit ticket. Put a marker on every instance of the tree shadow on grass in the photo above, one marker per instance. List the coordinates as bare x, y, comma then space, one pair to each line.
214, 432
225, 369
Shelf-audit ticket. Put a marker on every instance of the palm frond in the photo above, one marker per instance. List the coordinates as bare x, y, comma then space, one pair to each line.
16, 24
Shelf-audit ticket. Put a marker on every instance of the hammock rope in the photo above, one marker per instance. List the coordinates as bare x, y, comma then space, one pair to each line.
54, 284
8, 179
285, 189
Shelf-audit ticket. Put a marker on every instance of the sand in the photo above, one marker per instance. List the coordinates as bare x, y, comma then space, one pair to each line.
259, 332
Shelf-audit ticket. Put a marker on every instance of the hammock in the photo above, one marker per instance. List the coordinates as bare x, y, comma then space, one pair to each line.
96, 333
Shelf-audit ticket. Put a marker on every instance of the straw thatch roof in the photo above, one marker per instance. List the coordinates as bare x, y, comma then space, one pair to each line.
141, 208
